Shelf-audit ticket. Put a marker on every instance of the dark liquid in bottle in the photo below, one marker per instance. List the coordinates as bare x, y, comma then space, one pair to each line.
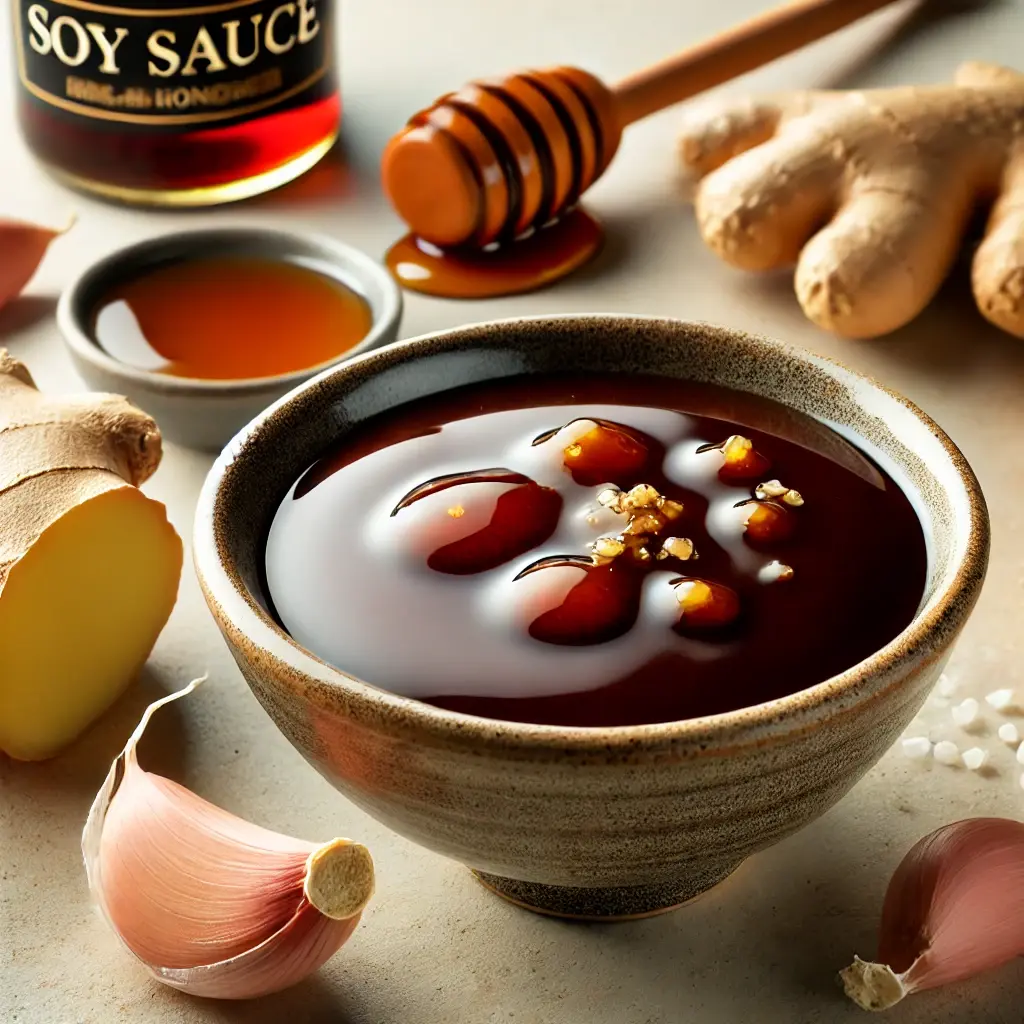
196, 168
595, 550
177, 103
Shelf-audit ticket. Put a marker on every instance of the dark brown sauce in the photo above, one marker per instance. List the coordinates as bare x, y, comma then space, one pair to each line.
423, 554
521, 266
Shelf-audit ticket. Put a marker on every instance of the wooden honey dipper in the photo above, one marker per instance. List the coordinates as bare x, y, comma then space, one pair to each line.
497, 158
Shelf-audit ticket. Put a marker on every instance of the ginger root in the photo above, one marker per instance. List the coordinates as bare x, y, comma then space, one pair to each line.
89, 566
869, 194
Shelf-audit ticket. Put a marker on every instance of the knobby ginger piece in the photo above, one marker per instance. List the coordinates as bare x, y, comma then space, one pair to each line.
869, 193
89, 566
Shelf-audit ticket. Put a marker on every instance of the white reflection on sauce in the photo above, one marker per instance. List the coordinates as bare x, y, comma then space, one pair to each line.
120, 336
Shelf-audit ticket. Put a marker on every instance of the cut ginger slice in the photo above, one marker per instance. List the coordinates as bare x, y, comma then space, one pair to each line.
79, 614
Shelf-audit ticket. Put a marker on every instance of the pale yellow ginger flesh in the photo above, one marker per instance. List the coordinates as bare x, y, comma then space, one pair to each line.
79, 615
869, 193
89, 566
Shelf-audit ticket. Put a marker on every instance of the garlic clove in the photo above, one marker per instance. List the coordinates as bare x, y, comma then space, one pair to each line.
22, 248
210, 903
954, 908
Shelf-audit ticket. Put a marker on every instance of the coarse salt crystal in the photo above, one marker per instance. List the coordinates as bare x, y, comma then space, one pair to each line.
975, 758
965, 713
1001, 700
945, 686
946, 752
1009, 733
917, 747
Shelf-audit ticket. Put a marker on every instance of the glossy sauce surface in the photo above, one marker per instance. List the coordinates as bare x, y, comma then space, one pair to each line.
230, 318
594, 550
520, 266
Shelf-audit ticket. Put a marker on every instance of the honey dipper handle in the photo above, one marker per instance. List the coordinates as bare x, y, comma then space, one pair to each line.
731, 53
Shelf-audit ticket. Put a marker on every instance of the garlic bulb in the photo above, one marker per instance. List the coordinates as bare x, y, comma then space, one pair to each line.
210, 903
954, 908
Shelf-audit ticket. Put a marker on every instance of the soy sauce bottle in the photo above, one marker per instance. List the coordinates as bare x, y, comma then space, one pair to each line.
176, 102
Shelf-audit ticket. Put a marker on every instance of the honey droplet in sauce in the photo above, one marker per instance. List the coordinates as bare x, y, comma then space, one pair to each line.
472, 522
766, 521
583, 604
602, 452
229, 318
705, 605
520, 266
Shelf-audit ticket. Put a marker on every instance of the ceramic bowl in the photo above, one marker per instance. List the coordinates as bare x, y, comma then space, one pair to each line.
205, 414
602, 822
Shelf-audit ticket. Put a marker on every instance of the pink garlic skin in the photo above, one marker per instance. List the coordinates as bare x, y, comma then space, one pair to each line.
266, 918
209, 903
22, 248
955, 905
262, 971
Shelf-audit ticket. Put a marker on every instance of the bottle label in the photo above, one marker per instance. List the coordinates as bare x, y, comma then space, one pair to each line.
188, 65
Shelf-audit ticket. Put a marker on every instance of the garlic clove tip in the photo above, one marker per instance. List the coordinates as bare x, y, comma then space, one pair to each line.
872, 986
339, 879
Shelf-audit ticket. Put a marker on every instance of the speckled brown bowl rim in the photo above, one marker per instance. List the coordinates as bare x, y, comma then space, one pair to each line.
351, 266
240, 615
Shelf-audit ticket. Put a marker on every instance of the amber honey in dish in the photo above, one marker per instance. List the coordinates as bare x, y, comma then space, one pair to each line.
525, 264
594, 550
229, 318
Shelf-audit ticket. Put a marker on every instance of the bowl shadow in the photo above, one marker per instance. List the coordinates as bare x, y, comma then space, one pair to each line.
313, 1001
795, 915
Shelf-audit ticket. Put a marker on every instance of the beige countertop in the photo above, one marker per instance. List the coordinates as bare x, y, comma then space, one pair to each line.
434, 947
